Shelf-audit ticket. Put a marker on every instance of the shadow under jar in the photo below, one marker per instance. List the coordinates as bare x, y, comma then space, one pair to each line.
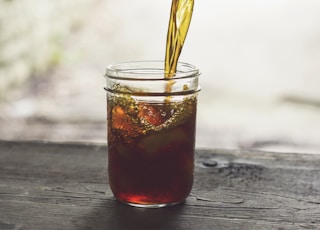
151, 121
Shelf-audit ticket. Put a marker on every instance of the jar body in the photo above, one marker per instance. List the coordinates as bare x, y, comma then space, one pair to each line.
151, 134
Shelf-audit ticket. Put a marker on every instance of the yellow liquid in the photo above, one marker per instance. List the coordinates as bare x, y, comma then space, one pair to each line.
180, 17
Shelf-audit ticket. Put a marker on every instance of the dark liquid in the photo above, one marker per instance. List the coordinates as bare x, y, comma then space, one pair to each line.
148, 164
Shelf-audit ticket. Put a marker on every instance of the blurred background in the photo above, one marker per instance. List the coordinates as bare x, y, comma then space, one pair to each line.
260, 65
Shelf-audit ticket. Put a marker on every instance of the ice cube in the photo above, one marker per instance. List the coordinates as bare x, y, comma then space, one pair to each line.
151, 114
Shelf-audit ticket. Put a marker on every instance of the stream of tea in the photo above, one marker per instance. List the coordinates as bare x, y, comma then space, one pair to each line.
180, 18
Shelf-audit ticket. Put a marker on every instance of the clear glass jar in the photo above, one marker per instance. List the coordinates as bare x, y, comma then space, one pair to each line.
151, 121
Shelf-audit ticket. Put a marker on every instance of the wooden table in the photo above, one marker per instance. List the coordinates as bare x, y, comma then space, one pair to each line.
65, 186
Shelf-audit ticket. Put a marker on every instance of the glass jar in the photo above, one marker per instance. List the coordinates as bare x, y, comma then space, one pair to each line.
151, 122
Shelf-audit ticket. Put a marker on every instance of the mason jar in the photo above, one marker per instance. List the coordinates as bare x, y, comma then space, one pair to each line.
151, 126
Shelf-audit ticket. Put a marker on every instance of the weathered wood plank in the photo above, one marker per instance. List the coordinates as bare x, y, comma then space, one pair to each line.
65, 186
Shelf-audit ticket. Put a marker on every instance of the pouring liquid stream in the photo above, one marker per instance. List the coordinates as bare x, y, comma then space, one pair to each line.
180, 18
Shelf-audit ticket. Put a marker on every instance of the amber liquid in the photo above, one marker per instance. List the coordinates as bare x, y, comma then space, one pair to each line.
180, 18
151, 146
149, 166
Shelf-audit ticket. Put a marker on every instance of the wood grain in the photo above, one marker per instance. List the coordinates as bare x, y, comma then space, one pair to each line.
65, 186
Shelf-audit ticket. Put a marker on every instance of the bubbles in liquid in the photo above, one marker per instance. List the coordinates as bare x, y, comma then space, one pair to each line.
130, 118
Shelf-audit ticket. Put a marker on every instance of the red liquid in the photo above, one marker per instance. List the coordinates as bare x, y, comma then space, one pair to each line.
151, 165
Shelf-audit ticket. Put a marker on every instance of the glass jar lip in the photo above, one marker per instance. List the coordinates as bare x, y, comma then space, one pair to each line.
149, 70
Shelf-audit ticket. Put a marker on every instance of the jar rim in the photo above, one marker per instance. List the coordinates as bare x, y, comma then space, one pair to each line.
150, 70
